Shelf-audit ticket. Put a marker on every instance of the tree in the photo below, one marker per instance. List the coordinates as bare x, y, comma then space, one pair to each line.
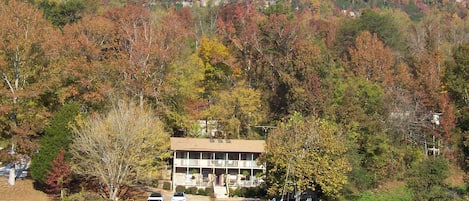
60, 174
238, 25
148, 46
306, 153
237, 110
456, 79
90, 51
63, 12
25, 63
218, 71
387, 26
371, 60
57, 135
425, 180
120, 147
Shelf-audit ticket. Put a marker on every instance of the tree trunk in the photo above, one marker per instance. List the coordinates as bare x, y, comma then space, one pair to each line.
113, 193
297, 195
11, 178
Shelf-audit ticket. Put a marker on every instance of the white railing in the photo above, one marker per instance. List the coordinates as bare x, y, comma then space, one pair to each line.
210, 163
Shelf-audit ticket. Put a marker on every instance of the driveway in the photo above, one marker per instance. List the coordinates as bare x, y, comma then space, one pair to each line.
168, 194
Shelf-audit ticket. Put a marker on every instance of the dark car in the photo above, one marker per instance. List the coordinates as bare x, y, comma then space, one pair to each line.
155, 197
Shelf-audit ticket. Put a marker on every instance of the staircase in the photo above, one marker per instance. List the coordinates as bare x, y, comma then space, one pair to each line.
220, 192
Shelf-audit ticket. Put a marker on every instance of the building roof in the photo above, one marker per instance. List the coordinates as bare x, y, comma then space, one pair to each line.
205, 144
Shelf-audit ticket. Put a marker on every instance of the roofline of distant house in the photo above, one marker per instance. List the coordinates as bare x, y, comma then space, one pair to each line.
217, 145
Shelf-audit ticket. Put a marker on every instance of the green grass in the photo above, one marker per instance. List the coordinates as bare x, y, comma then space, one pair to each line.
400, 193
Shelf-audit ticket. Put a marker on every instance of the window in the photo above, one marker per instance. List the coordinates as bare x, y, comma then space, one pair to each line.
233, 156
194, 155
220, 156
206, 155
181, 154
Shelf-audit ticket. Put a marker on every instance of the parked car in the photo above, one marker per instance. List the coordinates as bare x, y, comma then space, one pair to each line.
179, 196
155, 197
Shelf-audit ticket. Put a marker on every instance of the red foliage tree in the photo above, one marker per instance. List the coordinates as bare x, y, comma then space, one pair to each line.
60, 174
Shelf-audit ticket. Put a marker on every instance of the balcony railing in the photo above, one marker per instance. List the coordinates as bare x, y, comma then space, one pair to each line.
210, 163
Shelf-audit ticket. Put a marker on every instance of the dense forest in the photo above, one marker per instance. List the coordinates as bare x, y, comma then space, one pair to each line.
379, 87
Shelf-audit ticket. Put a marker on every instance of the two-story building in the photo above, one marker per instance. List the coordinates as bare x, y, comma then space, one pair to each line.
205, 162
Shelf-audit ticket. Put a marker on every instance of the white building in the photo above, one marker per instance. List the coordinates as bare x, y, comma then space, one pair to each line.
218, 163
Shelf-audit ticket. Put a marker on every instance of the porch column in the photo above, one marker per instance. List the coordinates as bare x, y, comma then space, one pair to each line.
174, 171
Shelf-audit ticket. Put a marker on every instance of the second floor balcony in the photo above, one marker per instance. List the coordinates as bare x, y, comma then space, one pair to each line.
217, 163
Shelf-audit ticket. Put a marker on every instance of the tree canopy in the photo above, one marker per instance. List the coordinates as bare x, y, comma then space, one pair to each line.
387, 78
120, 147
306, 153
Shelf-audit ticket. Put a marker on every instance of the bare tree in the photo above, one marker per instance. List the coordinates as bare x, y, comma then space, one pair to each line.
118, 147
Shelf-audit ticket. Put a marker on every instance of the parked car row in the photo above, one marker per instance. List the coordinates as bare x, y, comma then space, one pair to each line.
178, 196
5, 171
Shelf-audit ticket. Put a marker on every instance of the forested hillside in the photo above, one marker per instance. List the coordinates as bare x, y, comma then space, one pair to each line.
371, 91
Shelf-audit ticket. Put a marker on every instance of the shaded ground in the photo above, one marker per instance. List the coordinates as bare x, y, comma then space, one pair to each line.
167, 196
23, 190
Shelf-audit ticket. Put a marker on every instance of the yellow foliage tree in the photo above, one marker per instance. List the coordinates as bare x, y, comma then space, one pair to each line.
308, 154
120, 147
237, 110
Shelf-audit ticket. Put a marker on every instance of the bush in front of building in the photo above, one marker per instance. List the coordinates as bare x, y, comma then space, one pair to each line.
191, 190
256, 192
167, 186
253, 192
180, 188
238, 192
201, 191
154, 183
209, 191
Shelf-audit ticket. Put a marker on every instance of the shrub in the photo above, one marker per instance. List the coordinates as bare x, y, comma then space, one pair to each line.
191, 190
84, 196
233, 192
167, 185
209, 191
240, 192
426, 178
154, 183
201, 191
180, 188
362, 178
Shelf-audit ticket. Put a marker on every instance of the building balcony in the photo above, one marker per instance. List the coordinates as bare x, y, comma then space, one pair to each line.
210, 163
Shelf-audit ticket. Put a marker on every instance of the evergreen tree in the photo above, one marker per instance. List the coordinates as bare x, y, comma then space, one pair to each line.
63, 13
57, 135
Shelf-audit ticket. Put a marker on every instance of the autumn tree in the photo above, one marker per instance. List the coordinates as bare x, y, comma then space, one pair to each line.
91, 53
184, 101
371, 60
238, 25
237, 110
25, 64
288, 65
148, 44
60, 174
306, 153
120, 147
219, 72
